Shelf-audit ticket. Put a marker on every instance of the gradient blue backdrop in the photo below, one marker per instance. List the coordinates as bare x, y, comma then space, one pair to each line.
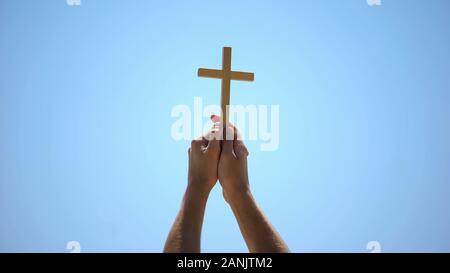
86, 94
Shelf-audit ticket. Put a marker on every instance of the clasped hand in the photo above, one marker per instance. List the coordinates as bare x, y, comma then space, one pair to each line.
214, 157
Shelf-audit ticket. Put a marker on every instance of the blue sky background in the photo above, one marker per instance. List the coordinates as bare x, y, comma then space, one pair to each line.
86, 94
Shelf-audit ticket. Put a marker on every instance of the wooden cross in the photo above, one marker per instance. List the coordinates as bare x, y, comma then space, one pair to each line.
226, 75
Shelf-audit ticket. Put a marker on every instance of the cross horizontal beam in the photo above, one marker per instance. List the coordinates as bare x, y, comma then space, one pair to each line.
226, 75
218, 74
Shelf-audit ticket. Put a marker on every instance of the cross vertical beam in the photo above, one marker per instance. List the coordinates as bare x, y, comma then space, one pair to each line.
226, 75
226, 82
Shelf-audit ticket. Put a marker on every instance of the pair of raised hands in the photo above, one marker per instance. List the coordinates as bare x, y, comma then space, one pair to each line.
214, 157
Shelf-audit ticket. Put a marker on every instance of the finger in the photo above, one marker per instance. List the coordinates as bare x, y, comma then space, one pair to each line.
204, 139
227, 147
202, 142
214, 143
215, 118
240, 149
236, 134
196, 145
211, 134
238, 144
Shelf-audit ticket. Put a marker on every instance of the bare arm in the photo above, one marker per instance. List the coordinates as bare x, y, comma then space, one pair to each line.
259, 234
185, 233
186, 230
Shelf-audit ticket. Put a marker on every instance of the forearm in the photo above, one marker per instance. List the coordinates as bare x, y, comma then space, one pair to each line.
258, 233
186, 230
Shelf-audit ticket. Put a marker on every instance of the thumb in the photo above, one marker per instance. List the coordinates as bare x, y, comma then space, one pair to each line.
213, 146
214, 142
228, 141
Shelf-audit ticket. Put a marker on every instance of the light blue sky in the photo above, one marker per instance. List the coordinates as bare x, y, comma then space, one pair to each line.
86, 94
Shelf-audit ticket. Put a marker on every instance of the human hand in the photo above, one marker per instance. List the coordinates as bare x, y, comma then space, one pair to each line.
232, 169
204, 156
212, 158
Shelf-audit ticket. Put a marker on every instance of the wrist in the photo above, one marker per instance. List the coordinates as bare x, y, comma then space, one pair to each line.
197, 192
236, 197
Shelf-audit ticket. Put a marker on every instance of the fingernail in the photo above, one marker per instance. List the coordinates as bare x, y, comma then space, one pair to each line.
215, 118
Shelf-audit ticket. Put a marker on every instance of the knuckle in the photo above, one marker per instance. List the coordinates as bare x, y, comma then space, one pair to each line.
195, 143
